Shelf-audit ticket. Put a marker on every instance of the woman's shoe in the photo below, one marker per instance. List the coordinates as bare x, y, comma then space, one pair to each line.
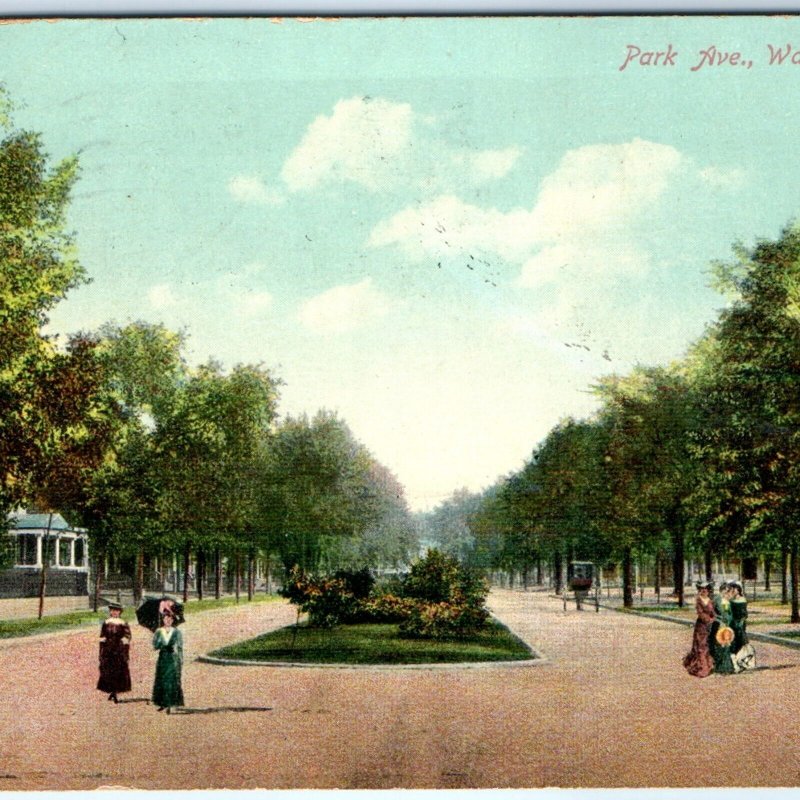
114, 698
161, 708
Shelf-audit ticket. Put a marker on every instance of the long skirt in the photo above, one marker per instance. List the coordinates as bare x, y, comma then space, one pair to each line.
698, 660
114, 673
167, 689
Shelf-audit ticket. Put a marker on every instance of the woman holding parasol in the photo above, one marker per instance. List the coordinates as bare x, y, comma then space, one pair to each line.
168, 640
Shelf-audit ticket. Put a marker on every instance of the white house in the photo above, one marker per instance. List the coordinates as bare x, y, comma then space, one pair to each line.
39, 536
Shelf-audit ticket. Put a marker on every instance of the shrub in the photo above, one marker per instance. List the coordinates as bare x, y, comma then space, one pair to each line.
386, 608
449, 600
432, 578
443, 620
358, 582
326, 600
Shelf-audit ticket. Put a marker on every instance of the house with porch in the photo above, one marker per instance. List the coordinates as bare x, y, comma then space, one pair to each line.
37, 537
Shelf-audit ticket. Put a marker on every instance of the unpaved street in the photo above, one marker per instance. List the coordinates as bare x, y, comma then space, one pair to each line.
611, 707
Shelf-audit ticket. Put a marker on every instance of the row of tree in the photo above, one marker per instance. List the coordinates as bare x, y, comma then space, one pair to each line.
697, 459
113, 429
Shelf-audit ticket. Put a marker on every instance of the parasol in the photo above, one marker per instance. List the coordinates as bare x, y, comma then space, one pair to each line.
149, 611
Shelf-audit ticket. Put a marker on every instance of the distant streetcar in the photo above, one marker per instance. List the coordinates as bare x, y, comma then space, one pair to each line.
580, 580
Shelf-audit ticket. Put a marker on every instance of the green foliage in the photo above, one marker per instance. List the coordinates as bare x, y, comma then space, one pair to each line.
326, 600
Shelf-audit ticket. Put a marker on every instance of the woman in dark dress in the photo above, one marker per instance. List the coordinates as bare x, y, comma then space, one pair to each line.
168, 640
698, 660
744, 659
115, 640
720, 651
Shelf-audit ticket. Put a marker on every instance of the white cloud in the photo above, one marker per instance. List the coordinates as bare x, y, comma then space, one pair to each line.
251, 189
380, 144
161, 296
581, 218
447, 226
489, 164
344, 308
603, 186
253, 303
721, 178
357, 142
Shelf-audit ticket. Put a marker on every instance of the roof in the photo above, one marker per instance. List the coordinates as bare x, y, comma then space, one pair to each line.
20, 520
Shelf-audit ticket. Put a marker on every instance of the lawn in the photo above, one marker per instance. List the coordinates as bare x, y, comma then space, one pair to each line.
375, 644
11, 628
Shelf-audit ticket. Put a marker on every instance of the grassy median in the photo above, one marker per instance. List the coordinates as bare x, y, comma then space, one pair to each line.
375, 644
30, 626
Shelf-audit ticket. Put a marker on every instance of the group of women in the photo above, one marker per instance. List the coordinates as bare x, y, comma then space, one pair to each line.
719, 642
115, 641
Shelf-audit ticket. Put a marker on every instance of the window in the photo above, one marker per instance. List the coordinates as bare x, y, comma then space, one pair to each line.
26, 550
79, 553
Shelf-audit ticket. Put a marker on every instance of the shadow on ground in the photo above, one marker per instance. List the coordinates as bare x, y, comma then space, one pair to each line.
218, 710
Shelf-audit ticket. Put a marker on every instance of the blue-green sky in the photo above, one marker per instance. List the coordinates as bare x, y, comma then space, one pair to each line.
445, 230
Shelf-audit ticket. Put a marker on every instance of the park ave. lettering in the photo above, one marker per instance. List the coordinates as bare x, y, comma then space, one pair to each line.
649, 58
711, 56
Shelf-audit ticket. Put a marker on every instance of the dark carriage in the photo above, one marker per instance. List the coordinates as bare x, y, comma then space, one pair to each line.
582, 580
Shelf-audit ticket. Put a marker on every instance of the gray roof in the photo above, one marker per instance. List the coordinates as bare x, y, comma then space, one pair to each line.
21, 520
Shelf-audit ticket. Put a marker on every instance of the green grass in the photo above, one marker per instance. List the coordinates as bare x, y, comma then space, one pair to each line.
375, 644
12, 628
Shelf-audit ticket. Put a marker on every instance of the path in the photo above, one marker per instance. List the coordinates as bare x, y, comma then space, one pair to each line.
611, 707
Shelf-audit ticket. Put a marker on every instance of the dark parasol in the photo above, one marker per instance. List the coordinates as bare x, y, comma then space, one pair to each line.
151, 608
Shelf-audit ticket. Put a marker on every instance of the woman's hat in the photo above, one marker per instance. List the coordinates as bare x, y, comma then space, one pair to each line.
704, 585
736, 585
117, 606
724, 635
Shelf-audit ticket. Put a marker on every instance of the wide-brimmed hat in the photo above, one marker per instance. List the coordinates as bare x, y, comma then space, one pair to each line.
736, 585
724, 635
704, 585
117, 606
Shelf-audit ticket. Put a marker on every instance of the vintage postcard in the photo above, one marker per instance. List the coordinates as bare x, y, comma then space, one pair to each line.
399, 403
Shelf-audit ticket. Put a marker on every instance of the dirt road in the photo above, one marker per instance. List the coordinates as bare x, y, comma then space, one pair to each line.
611, 707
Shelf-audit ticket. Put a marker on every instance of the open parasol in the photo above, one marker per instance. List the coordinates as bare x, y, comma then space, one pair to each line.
149, 611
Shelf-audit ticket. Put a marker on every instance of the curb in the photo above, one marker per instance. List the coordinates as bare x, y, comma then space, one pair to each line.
240, 662
759, 637
537, 660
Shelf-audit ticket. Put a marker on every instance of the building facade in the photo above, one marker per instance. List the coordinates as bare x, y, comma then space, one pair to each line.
40, 537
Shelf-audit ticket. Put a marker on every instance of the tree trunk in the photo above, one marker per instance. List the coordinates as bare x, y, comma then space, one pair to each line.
201, 572
43, 576
186, 555
795, 581
784, 573
538, 571
99, 562
708, 568
627, 578
217, 574
138, 579
678, 561
557, 571
767, 570
268, 576
525, 577
658, 577
251, 575
238, 577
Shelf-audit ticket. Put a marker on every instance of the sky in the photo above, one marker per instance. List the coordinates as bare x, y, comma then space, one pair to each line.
445, 230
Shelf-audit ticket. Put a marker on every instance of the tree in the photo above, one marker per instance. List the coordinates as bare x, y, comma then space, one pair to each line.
37, 268
751, 447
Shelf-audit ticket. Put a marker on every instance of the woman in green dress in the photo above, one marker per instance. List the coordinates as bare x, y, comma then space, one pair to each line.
720, 651
744, 658
168, 640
